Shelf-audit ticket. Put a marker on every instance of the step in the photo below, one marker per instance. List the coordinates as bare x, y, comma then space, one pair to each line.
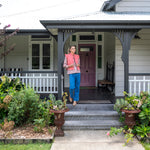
91, 115
91, 124
87, 107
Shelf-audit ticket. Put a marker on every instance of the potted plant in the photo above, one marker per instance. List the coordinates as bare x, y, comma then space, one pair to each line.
58, 107
130, 106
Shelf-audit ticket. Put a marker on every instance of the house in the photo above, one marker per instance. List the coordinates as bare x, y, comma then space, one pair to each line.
119, 33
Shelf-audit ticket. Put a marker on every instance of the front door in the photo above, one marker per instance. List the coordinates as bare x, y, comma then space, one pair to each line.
87, 63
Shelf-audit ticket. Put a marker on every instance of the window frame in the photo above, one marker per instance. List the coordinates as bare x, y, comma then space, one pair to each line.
41, 55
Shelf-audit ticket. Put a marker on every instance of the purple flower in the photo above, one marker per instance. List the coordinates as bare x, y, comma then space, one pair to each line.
8, 25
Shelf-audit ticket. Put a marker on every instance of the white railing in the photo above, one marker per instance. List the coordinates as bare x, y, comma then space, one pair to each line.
41, 82
138, 83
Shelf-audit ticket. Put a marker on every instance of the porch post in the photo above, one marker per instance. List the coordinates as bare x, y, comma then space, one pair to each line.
125, 37
62, 37
60, 60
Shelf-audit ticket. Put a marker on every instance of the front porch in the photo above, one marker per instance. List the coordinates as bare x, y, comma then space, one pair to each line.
46, 82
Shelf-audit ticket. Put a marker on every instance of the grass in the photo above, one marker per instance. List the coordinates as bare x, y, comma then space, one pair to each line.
37, 146
146, 146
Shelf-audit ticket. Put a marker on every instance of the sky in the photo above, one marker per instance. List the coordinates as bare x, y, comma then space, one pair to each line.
26, 14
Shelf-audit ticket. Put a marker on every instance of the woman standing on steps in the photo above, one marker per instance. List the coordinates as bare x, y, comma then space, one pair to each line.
72, 64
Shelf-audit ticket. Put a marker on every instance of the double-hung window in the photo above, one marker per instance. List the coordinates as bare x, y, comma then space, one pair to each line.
41, 56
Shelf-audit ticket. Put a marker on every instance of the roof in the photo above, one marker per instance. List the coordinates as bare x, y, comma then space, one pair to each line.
108, 5
93, 25
28, 21
26, 14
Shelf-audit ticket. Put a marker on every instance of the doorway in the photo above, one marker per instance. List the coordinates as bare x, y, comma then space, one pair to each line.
87, 54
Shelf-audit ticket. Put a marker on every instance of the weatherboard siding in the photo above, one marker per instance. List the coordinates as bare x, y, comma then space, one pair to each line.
18, 58
139, 59
133, 6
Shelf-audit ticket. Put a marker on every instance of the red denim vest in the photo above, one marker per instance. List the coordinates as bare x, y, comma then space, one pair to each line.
70, 60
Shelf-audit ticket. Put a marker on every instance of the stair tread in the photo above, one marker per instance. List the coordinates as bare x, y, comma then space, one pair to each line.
91, 113
91, 123
92, 107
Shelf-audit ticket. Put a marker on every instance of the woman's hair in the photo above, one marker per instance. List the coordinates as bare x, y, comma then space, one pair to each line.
70, 48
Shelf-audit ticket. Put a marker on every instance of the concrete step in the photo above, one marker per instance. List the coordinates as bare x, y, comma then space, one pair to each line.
90, 107
91, 124
91, 115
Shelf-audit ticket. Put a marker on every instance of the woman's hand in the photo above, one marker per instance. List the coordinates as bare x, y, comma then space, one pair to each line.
72, 65
78, 65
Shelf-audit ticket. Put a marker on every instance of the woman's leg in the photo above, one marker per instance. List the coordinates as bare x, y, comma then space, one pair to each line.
77, 87
72, 84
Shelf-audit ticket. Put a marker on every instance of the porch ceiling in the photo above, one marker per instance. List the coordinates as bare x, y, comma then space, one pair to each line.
93, 25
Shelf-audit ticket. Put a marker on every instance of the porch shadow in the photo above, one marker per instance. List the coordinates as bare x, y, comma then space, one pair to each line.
95, 95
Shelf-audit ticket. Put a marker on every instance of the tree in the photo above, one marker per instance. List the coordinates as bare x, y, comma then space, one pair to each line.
3, 38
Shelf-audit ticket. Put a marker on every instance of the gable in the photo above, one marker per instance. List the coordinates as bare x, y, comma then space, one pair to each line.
133, 6
139, 6
109, 5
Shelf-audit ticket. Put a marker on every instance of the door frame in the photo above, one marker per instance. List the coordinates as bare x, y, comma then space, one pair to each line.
94, 46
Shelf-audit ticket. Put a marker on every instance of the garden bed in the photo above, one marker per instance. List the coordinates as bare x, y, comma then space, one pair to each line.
26, 134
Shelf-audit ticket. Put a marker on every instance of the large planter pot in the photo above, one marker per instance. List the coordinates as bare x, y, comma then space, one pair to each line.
59, 121
130, 117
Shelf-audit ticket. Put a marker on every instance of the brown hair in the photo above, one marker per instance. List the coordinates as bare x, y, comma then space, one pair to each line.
70, 48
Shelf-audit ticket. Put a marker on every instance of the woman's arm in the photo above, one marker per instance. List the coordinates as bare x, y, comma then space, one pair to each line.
65, 64
78, 65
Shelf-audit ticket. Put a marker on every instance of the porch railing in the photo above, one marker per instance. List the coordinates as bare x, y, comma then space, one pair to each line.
40, 81
139, 82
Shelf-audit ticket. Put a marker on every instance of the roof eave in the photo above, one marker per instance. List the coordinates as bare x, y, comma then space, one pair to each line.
93, 25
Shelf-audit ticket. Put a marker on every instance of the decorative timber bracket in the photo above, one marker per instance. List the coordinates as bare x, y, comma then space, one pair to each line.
125, 37
63, 35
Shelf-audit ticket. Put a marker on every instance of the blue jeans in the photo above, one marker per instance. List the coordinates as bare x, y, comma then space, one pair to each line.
74, 86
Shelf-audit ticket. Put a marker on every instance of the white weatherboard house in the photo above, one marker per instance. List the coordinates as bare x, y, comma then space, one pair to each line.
118, 34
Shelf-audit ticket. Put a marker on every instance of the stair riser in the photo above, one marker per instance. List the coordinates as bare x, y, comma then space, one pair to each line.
90, 128
91, 118
90, 108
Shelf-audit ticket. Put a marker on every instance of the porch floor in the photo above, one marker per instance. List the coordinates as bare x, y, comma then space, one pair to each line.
95, 95
91, 95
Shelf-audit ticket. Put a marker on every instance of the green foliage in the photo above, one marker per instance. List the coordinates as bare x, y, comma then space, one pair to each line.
142, 130
120, 103
39, 125
146, 146
29, 146
23, 106
128, 136
9, 87
7, 84
142, 127
58, 104
115, 131
144, 115
43, 112
128, 133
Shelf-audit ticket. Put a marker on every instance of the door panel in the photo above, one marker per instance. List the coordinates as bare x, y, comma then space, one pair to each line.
87, 63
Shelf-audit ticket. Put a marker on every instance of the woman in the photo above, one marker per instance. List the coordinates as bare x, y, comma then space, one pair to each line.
72, 64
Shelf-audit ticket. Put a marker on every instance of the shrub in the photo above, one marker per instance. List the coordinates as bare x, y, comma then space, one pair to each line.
23, 107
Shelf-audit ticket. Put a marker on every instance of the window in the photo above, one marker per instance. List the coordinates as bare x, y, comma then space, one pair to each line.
41, 56
86, 48
99, 37
73, 38
87, 37
35, 56
99, 56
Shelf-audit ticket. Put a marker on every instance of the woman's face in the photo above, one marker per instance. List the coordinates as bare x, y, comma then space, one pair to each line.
72, 49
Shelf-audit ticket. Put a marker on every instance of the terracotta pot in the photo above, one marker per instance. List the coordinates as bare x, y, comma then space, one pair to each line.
130, 117
59, 121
